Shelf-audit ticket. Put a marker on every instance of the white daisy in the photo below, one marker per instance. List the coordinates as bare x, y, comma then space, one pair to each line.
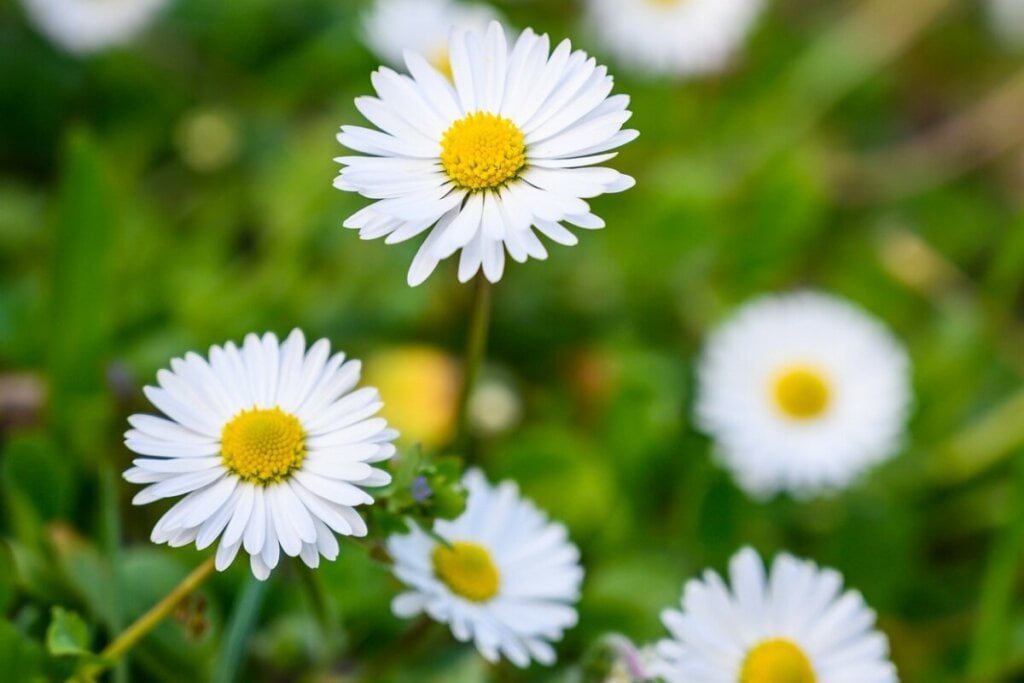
84, 26
507, 580
1007, 20
794, 625
802, 392
423, 26
674, 37
270, 442
481, 163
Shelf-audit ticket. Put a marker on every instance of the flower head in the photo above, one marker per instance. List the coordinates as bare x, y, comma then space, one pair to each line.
84, 26
271, 445
677, 37
509, 146
793, 625
507, 578
802, 393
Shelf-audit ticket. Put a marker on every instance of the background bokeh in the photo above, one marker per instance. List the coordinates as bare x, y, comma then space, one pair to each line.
161, 197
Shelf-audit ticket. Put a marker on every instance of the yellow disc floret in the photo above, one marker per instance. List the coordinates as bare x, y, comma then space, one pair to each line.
483, 151
468, 570
802, 392
777, 661
263, 446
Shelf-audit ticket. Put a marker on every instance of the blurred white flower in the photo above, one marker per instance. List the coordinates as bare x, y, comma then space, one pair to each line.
673, 37
1007, 20
508, 579
271, 444
802, 393
509, 148
795, 625
494, 407
85, 26
423, 26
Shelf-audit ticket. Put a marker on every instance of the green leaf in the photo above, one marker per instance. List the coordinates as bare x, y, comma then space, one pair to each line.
7, 576
80, 310
67, 635
20, 658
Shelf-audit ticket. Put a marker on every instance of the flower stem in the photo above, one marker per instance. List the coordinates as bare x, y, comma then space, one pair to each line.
151, 619
476, 347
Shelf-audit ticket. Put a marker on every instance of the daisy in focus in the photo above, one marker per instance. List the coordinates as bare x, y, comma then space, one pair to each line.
480, 163
793, 625
672, 37
802, 393
85, 26
270, 443
508, 579
422, 26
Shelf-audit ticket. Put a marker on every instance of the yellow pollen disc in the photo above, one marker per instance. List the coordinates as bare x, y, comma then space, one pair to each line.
777, 661
802, 392
263, 445
468, 570
482, 151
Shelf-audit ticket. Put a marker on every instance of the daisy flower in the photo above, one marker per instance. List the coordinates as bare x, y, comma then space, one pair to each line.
271, 445
1007, 20
423, 26
509, 147
795, 625
673, 37
507, 578
802, 393
84, 26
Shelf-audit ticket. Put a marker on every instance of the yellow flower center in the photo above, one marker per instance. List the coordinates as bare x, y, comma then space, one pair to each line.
802, 392
482, 151
468, 570
777, 661
263, 445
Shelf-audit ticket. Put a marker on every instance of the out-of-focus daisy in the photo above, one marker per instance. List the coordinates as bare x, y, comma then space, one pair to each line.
507, 579
481, 163
794, 625
675, 37
422, 26
271, 445
420, 389
1007, 20
84, 26
802, 393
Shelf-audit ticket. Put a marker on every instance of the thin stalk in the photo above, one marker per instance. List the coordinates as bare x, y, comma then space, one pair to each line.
151, 619
991, 634
476, 347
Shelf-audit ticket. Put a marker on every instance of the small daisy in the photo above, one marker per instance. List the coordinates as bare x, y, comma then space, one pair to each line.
508, 579
423, 26
272, 445
802, 393
480, 163
795, 625
84, 26
1007, 20
673, 37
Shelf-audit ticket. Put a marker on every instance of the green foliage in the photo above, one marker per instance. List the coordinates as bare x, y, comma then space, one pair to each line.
67, 634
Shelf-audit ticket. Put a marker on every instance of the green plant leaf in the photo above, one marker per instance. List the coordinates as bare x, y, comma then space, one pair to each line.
67, 635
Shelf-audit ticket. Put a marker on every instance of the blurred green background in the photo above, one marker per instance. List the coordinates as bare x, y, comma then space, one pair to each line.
176, 193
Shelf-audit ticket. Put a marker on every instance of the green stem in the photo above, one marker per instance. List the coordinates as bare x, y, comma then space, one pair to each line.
997, 590
476, 347
151, 619
239, 628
